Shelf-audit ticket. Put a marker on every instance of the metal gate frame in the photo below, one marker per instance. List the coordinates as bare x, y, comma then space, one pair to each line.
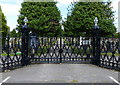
62, 50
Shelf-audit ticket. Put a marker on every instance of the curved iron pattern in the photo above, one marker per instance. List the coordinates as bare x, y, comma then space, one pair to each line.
110, 53
61, 50
9, 59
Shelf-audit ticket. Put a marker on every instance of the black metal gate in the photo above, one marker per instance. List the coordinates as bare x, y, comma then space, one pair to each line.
62, 50
17, 52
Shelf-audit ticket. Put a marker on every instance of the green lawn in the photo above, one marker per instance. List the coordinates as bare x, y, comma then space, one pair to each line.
110, 54
13, 54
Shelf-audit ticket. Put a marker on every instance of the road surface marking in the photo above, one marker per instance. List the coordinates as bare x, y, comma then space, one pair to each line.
114, 80
4, 80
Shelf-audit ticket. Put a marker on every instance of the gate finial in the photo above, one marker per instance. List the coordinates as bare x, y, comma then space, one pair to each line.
25, 20
96, 21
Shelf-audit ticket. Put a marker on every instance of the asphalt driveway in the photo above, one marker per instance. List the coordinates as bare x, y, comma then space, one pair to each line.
61, 73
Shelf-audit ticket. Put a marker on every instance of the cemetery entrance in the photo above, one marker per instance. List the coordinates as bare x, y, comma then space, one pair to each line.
60, 50
100, 51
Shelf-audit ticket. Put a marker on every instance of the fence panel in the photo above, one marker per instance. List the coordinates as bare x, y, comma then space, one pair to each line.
10, 58
60, 50
110, 53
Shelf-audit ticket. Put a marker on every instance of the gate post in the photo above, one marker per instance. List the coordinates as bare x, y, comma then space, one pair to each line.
96, 44
60, 50
25, 33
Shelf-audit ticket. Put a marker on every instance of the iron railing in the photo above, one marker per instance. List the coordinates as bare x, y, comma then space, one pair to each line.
60, 50
110, 53
10, 57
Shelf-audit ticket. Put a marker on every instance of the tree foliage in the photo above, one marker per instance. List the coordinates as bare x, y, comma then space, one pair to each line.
43, 17
14, 33
117, 35
4, 29
81, 18
3, 24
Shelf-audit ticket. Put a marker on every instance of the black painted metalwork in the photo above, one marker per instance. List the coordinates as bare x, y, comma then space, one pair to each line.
33, 42
25, 33
10, 58
96, 43
110, 55
62, 50
96, 47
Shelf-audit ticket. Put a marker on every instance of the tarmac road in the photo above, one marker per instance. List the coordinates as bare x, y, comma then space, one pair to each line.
61, 73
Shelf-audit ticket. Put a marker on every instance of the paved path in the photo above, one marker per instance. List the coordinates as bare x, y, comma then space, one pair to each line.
61, 73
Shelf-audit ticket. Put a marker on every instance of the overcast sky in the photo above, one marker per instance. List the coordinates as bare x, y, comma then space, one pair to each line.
11, 10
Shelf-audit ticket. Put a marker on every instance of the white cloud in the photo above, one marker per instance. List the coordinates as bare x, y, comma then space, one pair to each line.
10, 9
65, 2
19, 1
115, 5
115, 8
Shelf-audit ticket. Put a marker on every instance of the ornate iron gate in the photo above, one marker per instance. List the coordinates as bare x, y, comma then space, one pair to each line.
62, 50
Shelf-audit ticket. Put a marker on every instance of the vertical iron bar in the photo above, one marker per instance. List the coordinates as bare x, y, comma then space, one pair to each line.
8, 56
98, 50
60, 49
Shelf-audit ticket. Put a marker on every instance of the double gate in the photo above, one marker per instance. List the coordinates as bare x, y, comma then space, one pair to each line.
61, 50
104, 52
